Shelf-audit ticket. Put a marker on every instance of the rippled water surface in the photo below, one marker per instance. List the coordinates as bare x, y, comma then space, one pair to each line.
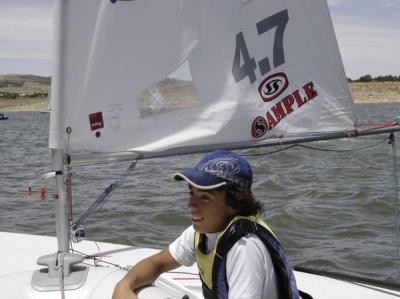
332, 210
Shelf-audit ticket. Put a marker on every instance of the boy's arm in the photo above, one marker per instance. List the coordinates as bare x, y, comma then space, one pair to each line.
144, 273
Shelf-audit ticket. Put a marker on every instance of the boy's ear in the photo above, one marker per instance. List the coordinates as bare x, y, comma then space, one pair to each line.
231, 200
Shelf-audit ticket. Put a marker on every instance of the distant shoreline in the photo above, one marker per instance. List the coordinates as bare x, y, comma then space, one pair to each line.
41, 105
23, 105
363, 93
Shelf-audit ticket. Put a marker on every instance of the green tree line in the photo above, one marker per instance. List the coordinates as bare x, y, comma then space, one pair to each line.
11, 83
369, 78
14, 95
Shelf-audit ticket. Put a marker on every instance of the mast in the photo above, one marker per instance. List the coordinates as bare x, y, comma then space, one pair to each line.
61, 273
60, 203
56, 124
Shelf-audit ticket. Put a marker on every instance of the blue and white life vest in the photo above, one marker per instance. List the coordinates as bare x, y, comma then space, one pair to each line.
212, 265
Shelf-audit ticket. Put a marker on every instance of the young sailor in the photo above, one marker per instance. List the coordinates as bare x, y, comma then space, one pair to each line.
237, 254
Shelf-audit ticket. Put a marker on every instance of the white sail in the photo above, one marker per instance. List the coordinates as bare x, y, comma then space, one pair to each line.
259, 70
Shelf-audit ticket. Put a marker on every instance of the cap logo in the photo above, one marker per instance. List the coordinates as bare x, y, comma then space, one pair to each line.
224, 168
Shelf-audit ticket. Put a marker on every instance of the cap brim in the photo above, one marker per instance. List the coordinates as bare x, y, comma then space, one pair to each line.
200, 180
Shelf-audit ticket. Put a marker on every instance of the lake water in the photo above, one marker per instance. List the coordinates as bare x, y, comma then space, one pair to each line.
331, 210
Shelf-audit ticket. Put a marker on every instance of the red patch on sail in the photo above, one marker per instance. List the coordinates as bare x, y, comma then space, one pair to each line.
96, 121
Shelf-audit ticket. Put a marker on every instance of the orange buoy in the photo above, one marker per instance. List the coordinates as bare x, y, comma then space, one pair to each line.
42, 193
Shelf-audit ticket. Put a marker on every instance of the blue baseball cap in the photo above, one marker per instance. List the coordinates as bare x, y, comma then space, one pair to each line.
217, 169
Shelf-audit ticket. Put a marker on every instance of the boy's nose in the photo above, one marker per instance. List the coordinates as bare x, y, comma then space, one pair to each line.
192, 203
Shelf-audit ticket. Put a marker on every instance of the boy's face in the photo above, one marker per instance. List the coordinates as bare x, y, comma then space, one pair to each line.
210, 213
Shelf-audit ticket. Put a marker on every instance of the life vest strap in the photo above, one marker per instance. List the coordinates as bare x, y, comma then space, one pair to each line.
238, 230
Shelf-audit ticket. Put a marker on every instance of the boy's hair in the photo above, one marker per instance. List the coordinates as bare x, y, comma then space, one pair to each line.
242, 200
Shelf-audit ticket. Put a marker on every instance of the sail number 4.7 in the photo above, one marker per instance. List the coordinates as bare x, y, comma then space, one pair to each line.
244, 65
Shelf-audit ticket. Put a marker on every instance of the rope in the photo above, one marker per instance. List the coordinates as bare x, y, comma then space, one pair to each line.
397, 202
60, 269
269, 153
318, 148
97, 261
99, 202
343, 150
371, 127
68, 184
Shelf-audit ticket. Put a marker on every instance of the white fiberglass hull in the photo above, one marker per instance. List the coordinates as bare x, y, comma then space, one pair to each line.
19, 252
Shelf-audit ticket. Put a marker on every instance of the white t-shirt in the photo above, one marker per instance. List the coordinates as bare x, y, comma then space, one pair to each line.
249, 269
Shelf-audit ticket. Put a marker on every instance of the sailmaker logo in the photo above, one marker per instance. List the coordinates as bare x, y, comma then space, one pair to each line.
276, 112
273, 86
96, 122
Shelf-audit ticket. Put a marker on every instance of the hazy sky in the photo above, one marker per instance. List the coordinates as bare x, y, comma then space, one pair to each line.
368, 33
